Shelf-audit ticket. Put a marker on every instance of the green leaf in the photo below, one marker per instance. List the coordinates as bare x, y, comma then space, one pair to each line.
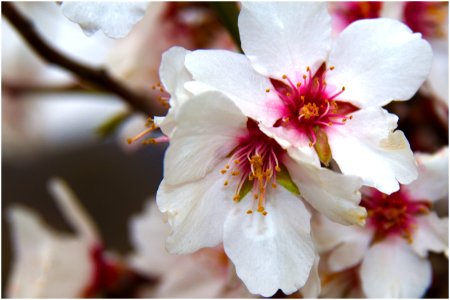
111, 124
228, 13
285, 180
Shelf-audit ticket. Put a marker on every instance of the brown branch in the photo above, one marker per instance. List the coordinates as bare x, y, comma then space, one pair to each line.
98, 78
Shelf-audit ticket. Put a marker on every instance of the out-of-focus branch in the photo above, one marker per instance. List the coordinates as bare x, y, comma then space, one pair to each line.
98, 78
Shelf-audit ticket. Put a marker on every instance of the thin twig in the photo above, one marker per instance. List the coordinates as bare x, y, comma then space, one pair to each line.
98, 78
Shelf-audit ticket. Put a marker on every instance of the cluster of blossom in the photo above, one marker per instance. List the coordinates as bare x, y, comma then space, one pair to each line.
283, 170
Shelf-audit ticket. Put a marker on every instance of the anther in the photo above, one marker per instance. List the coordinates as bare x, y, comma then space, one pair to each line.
298, 84
237, 161
267, 90
277, 168
264, 213
274, 185
284, 76
331, 68
235, 173
288, 94
249, 212
225, 183
308, 69
343, 88
223, 171
227, 166
304, 76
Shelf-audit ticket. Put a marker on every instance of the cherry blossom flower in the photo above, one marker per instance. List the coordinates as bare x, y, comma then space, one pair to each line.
314, 94
226, 181
400, 231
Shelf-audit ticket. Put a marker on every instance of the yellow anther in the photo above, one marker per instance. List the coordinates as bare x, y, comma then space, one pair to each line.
235, 173
267, 90
161, 90
284, 76
298, 84
264, 213
288, 94
236, 198
158, 84
304, 76
153, 87
255, 196
332, 68
249, 211
225, 183
274, 185
310, 144
223, 171
309, 110
343, 88
308, 69
350, 117
260, 209
277, 168
227, 166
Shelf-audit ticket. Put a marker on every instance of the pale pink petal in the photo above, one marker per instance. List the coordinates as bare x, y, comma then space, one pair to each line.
285, 37
367, 146
431, 234
208, 128
196, 212
378, 61
115, 19
274, 251
312, 287
432, 184
334, 195
391, 269
232, 74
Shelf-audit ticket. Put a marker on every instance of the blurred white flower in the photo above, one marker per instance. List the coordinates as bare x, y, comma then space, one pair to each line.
400, 231
115, 19
204, 274
308, 93
47, 263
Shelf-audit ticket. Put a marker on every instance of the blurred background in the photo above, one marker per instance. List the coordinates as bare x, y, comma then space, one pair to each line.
54, 124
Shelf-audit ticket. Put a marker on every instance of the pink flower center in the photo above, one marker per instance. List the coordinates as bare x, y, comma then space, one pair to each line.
310, 103
253, 166
393, 214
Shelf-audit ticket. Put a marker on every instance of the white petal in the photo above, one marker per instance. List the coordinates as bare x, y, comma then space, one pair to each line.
379, 60
432, 184
312, 287
174, 75
232, 74
438, 79
334, 195
348, 243
196, 212
391, 269
367, 146
148, 233
285, 37
46, 265
115, 19
208, 129
431, 234
274, 251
